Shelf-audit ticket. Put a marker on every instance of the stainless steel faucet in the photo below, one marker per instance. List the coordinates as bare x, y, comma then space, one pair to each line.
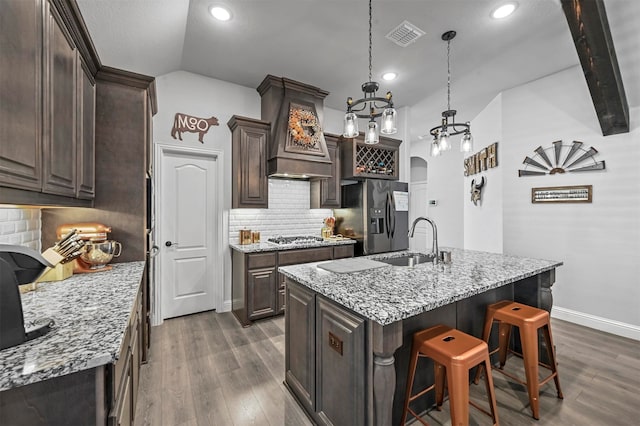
434, 245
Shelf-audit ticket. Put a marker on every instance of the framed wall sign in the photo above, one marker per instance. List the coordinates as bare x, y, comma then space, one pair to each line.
562, 194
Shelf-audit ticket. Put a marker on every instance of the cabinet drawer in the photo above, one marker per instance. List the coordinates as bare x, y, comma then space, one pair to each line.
340, 252
262, 260
293, 257
122, 361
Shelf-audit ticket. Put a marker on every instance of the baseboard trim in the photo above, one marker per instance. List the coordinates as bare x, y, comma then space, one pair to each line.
226, 306
603, 324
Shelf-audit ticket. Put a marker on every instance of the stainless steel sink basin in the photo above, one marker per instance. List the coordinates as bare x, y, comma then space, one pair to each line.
408, 259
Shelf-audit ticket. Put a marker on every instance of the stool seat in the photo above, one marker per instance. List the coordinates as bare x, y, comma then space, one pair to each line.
529, 320
453, 353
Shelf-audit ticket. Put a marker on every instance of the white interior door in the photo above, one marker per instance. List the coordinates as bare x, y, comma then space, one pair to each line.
188, 216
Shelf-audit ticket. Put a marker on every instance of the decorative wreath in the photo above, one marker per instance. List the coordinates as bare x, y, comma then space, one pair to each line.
304, 128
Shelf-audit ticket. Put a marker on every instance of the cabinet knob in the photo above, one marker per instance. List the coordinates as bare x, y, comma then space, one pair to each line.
168, 244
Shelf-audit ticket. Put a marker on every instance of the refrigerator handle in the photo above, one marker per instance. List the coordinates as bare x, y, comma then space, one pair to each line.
392, 214
387, 217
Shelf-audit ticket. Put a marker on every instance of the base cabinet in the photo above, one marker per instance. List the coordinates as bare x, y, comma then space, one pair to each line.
258, 289
325, 358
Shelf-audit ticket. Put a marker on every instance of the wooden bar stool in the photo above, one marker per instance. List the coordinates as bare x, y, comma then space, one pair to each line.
453, 353
529, 320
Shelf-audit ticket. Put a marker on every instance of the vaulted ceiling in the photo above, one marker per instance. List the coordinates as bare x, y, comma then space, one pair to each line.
325, 43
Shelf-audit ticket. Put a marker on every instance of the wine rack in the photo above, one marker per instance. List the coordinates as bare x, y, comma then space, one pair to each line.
360, 161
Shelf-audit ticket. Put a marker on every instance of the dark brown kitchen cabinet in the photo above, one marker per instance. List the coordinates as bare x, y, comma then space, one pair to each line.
259, 290
362, 161
325, 193
47, 147
59, 136
86, 114
20, 94
249, 182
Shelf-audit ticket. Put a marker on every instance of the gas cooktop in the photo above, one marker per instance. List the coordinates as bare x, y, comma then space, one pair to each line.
300, 239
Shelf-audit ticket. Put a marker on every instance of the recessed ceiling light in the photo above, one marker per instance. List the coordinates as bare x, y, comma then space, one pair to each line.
504, 10
388, 76
220, 13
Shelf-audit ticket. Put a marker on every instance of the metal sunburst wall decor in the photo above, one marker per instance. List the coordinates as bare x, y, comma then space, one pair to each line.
566, 159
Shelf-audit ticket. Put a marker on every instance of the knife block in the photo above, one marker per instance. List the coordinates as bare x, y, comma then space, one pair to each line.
60, 272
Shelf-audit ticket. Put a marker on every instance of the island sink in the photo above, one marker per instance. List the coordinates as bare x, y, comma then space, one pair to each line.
410, 259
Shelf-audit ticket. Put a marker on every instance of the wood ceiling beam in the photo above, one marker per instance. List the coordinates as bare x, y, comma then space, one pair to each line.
591, 35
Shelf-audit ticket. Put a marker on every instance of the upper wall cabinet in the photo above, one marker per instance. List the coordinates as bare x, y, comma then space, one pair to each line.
21, 94
362, 161
47, 104
325, 193
249, 140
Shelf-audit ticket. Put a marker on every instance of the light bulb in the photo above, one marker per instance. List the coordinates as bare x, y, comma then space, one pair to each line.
466, 143
350, 125
372, 133
389, 121
435, 149
443, 141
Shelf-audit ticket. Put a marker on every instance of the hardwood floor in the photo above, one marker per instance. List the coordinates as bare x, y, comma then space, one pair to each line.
205, 369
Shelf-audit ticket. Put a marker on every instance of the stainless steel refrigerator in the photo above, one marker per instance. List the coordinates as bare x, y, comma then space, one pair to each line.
376, 214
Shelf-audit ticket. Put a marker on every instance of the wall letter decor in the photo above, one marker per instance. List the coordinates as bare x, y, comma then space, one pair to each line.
188, 123
481, 161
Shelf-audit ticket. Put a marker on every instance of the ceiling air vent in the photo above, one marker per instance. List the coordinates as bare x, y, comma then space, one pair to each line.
405, 34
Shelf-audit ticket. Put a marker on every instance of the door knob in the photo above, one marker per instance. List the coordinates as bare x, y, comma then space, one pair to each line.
168, 244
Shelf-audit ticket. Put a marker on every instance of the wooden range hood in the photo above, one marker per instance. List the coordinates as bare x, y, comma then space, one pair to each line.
286, 156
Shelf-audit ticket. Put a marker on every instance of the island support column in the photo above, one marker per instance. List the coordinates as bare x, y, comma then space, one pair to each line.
385, 340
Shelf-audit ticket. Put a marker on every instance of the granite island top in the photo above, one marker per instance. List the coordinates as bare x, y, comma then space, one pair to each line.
393, 293
91, 312
267, 246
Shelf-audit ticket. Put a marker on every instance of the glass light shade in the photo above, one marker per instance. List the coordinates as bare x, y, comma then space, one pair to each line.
466, 143
435, 148
388, 121
443, 141
350, 125
371, 137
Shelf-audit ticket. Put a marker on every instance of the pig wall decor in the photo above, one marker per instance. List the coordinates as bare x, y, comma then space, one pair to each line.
188, 123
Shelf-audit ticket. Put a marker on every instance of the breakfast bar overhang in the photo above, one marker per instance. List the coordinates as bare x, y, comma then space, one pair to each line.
348, 335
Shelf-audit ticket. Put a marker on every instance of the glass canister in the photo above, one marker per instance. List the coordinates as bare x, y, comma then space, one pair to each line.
255, 237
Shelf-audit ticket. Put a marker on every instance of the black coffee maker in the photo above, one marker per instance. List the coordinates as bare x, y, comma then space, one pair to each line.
18, 265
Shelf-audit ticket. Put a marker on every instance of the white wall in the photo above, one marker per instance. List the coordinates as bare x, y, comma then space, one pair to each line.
445, 176
201, 96
599, 243
483, 222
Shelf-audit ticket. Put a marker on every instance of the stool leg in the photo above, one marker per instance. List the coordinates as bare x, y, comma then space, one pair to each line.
529, 340
440, 374
551, 350
486, 332
505, 335
491, 395
412, 374
458, 384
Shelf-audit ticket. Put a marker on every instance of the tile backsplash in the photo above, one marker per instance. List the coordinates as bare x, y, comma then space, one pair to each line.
20, 226
288, 213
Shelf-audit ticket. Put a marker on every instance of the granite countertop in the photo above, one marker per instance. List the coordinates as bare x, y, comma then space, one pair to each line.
267, 246
91, 312
393, 293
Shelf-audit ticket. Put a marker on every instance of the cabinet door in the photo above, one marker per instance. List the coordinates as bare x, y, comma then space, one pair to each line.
249, 154
281, 295
86, 132
59, 108
261, 292
20, 94
340, 364
325, 193
300, 355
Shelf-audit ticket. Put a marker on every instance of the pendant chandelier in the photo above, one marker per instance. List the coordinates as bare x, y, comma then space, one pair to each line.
373, 107
444, 131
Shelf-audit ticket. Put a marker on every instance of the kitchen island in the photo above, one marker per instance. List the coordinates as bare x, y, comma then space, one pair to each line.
84, 371
348, 335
